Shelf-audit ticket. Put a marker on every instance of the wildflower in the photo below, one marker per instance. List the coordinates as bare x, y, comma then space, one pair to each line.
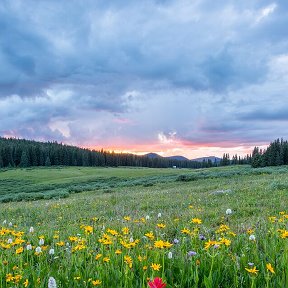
31, 230
51, 251
41, 241
185, 231
170, 255
155, 267
10, 224
202, 237
270, 268
150, 235
19, 250
128, 261
96, 282
131, 240
191, 253
161, 225
4, 222
228, 211
118, 251
125, 230
38, 250
252, 237
157, 283
159, 215
9, 241
98, 256
196, 221
88, 229
252, 270
175, 241
52, 282
147, 217
127, 218
29, 247
106, 259
26, 283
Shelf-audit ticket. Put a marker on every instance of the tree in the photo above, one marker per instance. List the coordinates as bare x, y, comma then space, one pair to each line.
24, 162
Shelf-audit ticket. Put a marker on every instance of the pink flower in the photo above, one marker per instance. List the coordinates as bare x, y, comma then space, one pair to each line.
157, 283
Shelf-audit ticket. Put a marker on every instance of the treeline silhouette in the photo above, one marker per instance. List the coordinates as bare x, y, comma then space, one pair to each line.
27, 153
276, 154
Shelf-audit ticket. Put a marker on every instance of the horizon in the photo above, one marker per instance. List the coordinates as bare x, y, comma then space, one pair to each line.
157, 76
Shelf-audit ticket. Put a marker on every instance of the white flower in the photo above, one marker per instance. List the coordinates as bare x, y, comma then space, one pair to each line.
252, 237
10, 224
51, 251
52, 283
41, 241
131, 240
170, 255
31, 230
9, 241
4, 222
38, 249
147, 217
29, 247
159, 215
228, 211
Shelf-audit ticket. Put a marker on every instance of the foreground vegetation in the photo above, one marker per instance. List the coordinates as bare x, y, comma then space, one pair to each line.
222, 227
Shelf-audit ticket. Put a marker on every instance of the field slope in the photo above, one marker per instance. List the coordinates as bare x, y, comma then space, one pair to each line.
129, 225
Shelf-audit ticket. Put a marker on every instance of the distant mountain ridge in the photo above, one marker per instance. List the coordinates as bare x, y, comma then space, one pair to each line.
182, 158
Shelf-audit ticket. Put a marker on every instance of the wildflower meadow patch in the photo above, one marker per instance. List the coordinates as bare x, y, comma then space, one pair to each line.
167, 235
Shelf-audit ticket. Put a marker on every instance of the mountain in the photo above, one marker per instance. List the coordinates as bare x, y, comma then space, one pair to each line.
152, 155
180, 158
205, 159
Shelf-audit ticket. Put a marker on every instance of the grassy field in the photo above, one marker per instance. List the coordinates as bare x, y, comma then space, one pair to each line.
129, 226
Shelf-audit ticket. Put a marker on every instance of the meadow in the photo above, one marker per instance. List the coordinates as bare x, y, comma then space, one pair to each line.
143, 227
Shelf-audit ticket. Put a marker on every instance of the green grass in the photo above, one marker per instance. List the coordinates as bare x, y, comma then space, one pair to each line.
109, 194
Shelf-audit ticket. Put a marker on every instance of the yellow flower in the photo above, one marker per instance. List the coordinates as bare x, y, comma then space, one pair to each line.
250, 231
128, 260
270, 268
196, 221
252, 270
88, 229
125, 230
96, 282
106, 259
150, 235
61, 243
118, 251
145, 268
127, 218
98, 256
26, 283
112, 232
155, 267
19, 250
185, 231
225, 241
161, 225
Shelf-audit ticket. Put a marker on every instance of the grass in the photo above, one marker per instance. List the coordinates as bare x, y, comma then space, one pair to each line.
111, 215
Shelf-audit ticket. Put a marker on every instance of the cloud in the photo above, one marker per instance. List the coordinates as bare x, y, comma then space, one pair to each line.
182, 73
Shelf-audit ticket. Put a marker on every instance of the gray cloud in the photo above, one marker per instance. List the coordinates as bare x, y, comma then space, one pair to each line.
110, 71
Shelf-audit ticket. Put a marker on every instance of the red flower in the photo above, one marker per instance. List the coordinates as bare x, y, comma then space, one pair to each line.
157, 283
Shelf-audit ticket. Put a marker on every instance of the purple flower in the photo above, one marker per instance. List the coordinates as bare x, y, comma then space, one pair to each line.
216, 246
251, 264
175, 241
191, 253
202, 237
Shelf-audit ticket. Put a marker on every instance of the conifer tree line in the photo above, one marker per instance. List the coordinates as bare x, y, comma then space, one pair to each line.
276, 154
28, 153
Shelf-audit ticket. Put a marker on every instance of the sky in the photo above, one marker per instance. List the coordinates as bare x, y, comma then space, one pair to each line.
175, 77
